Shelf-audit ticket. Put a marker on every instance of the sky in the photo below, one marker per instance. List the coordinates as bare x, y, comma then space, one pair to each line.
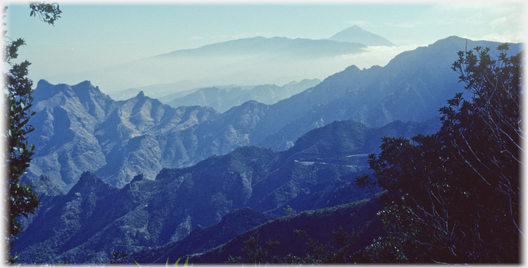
94, 35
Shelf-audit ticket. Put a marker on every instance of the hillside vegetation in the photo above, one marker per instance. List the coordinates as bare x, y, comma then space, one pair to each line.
98, 218
447, 197
369, 183
78, 128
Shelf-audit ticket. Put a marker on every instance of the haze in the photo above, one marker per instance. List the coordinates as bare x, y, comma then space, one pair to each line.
91, 37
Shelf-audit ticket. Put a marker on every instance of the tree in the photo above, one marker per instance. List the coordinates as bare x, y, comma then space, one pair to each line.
454, 196
493, 152
21, 199
254, 252
288, 211
316, 254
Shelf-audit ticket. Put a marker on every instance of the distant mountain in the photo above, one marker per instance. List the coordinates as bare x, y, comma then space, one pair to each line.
224, 99
355, 34
162, 92
105, 153
275, 46
249, 61
95, 218
78, 128
411, 87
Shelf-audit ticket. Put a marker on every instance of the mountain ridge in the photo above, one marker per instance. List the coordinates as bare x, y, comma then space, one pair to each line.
411, 87
206, 164
263, 45
98, 218
78, 128
222, 99
239, 61
202, 239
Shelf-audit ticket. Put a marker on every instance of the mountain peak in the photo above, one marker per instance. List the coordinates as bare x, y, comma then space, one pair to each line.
89, 177
89, 182
355, 34
356, 27
137, 178
43, 83
85, 83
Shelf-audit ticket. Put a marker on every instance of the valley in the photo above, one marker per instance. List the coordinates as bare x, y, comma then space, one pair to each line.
207, 167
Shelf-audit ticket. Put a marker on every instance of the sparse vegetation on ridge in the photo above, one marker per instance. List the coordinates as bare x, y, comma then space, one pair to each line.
453, 197
287, 182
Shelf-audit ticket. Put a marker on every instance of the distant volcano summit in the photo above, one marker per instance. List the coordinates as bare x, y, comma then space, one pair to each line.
355, 34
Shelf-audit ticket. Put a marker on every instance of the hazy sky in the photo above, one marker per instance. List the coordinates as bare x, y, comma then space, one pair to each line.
93, 35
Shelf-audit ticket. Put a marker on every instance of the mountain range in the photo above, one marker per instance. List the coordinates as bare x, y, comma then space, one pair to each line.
353, 218
142, 176
244, 62
94, 218
78, 128
223, 99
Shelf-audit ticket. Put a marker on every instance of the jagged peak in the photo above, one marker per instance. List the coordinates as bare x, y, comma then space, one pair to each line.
140, 94
85, 86
89, 177
137, 178
87, 182
47, 85
85, 83
43, 83
82, 86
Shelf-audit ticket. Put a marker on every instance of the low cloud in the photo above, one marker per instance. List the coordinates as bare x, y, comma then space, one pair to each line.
376, 55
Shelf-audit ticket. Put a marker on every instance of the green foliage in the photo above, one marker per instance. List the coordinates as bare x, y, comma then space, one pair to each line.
48, 13
287, 211
327, 253
254, 252
317, 253
17, 89
299, 233
454, 196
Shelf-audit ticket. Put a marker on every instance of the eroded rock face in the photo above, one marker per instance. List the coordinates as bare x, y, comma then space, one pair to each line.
93, 147
95, 217
78, 128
